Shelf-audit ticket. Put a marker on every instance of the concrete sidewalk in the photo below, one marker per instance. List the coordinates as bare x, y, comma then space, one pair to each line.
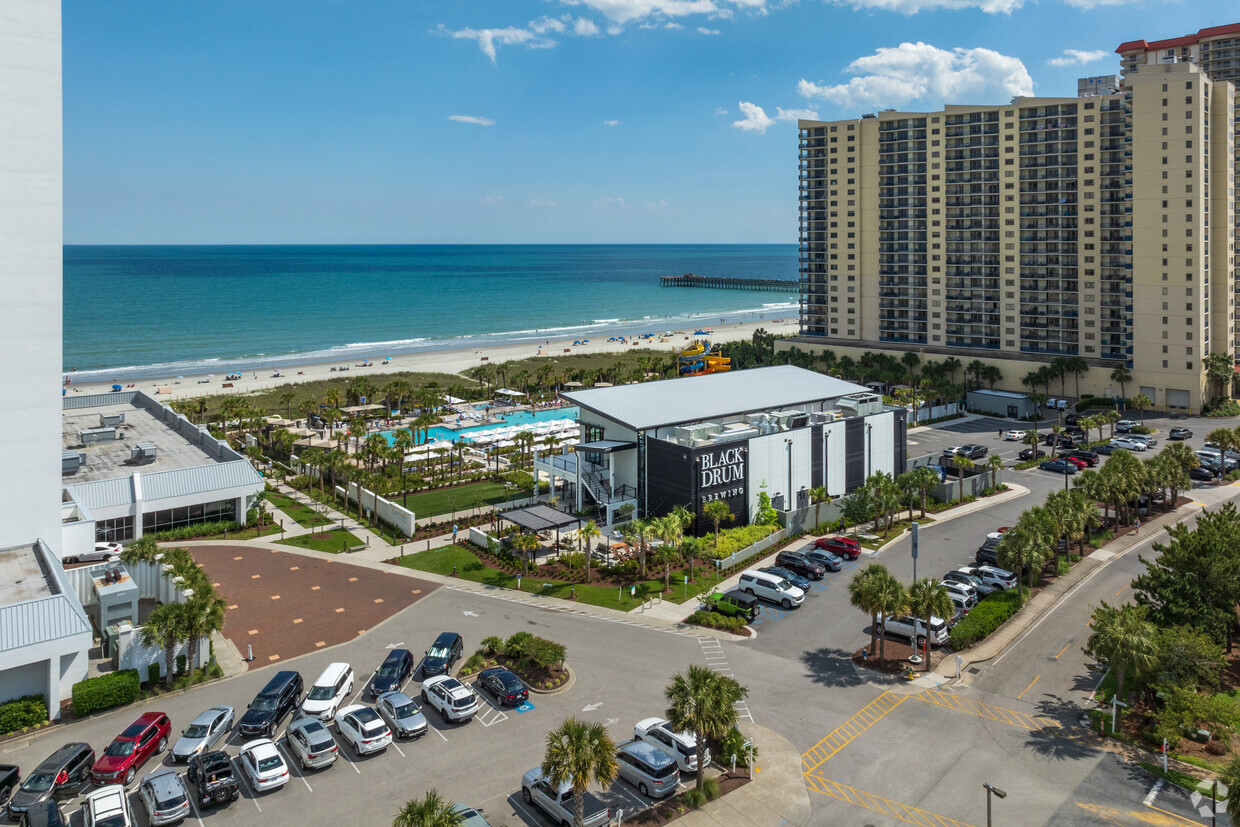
776, 795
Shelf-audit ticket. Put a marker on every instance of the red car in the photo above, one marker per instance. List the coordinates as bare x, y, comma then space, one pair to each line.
129, 750
1079, 463
845, 547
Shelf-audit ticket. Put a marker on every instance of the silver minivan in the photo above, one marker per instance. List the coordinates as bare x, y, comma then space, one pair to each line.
653, 773
771, 587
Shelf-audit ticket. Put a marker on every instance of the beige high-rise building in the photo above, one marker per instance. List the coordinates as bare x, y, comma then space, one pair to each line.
1216, 50
1098, 227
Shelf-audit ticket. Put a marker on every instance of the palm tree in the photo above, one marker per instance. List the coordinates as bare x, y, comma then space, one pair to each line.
202, 616
141, 550
929, 598
1141, 402
926, 478
579, 752
717, 512
669, 529
1121, 377
962, 464
527, 544
286, 399
432, 810
818, 495
951, 364
992, 374
1076, 366
890, 598
403, 442
1124, 640
166, 627
703, 702
1068, 513
995, 463
1027, 544
861, 595
587, 534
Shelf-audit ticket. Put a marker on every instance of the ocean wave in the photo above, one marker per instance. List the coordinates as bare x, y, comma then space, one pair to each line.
393, 343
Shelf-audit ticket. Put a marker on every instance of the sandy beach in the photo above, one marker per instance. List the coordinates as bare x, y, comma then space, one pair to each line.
438, 361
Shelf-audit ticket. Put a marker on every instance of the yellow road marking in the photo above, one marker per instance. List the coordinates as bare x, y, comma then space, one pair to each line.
847, 732
1111, 815
981, 710
1027, 688
878, 804
1061, 651
1121, 588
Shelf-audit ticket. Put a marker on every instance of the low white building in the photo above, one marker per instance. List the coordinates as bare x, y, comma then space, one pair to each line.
45, 636
131, 465
726, 436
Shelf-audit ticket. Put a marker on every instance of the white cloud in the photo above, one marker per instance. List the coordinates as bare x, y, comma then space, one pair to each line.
914, 6
782, 114
511, 36
1089, 4
492, 200
474, 119
894, 76
673, 26
611, 202
612, 122
585, 28
626, 11
655, 206
756, 119
704, 30
1075, 57
719, 110
547, 24
541, 202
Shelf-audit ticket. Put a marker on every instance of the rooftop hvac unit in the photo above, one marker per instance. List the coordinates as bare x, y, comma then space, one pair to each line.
794, 418
143, 452
71, 461
736, 436
92, 436
117, 593
111, 420
861, 404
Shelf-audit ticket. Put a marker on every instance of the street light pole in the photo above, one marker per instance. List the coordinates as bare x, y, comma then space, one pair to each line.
991, 788
913, 525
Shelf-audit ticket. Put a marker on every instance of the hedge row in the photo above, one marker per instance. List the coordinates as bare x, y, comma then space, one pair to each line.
732, 540
106, 691
189, 532
989, 614
21, 713
714, 620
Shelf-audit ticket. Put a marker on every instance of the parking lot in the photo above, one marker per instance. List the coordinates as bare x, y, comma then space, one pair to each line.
479, 763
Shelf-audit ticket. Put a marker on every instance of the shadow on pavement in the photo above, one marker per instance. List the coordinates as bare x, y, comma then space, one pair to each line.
831, 667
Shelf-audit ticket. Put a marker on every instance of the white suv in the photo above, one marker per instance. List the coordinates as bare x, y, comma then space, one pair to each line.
965, 591
914, 629
107, 807
328, 692
681, 747
993, 578
454, 700
1128, 444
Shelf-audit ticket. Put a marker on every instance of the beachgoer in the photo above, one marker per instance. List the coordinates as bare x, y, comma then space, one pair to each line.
1138, 528
454, 532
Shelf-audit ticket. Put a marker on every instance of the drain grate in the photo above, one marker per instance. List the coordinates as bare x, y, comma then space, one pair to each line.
973, 670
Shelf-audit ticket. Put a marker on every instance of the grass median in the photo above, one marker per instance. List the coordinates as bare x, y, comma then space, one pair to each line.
332, 542
304, 515
469, 567
460, 498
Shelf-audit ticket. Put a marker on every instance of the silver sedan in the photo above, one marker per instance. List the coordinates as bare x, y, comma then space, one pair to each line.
401, 714
203, 732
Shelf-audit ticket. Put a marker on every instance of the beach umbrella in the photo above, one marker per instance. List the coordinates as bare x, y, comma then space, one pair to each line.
180, 377
116, 387
210, 375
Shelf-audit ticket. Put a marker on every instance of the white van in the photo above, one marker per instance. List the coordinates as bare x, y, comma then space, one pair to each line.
328, 692
771, 587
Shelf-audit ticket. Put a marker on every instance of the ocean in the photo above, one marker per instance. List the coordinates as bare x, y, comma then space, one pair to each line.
154, 310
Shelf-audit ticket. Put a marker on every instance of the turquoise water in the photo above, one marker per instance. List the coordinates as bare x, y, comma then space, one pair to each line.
514, 418
140, 311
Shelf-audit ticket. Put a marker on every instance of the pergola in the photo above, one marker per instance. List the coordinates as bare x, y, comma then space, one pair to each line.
538, 518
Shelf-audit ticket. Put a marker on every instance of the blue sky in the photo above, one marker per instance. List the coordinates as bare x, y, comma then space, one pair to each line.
522, 121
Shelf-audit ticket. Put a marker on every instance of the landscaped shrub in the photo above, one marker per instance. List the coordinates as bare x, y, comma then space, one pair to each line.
189, 532
989, 614
105, 692
1142, 429
732, 540
21, 713
182, 660
714, 620
734, 744
493, 645
152, 673
474, 663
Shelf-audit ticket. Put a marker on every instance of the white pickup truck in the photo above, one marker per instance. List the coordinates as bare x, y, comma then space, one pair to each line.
558, 803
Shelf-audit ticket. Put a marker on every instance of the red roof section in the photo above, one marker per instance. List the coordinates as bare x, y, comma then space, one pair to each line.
1186, 40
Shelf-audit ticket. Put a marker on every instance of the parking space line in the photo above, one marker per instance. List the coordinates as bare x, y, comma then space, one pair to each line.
437, 732
246, 785
849, 731
878, 804
396, 747
291, 767
193, 808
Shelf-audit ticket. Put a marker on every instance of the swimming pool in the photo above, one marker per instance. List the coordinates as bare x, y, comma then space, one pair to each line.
511, 418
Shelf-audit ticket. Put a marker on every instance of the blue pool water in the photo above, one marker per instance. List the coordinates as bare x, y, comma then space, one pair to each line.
514, 418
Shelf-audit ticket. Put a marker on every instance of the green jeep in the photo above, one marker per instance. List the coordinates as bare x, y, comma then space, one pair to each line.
734, 603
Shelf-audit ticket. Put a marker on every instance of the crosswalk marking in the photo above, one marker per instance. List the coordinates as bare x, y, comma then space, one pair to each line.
850, 730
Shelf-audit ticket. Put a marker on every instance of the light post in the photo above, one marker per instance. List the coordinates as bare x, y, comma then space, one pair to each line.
914, 525
991, 788
869, 447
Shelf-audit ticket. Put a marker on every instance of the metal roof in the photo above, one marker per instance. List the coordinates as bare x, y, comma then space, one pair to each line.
39, 621
605, 446
691, 399
177, 482
539, 518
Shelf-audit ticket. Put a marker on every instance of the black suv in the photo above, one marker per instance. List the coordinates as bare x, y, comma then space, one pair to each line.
445, 651
59, 776
396, 669
800, 564
211, 776
270, 706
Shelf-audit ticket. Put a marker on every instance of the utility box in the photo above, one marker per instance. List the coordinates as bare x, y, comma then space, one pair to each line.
143, 452
92, 436
71, 461
117, 595
111, 420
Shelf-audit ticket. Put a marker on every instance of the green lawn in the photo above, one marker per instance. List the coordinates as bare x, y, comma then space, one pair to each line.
469, 567
336, 543
302, 514
1183, 779
447, 500
244, 534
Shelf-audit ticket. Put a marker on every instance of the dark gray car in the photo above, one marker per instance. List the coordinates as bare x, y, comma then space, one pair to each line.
59, 776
